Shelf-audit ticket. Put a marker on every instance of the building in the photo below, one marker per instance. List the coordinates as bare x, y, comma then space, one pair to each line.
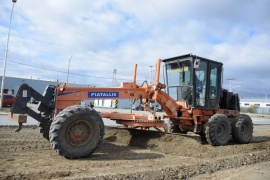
263, 103
12, 85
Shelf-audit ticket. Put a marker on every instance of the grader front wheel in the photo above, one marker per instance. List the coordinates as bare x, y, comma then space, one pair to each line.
218, 130
76, 132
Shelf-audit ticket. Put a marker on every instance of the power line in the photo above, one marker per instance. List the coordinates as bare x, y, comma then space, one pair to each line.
48, 43
83, 75
55, 44
99, 77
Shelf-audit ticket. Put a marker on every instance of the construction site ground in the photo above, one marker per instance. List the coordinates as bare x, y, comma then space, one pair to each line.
132, 154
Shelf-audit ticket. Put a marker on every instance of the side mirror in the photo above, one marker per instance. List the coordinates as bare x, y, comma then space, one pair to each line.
196, 63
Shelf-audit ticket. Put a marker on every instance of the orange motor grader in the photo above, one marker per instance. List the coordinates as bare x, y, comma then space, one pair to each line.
192, 99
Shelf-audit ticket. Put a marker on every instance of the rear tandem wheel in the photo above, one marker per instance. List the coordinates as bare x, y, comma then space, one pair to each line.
218, 130
242, 129
76, 132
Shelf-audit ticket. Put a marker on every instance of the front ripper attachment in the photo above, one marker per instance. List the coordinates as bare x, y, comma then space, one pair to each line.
19, 118
19, 109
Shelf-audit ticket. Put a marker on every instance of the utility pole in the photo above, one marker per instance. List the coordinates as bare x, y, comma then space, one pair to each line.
151, 74
114, 84
114, 81
68, 69
230, 80
6, 56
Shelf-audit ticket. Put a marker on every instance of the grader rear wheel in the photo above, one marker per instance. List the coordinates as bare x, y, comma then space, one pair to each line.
76, 132
218, 130
242, 129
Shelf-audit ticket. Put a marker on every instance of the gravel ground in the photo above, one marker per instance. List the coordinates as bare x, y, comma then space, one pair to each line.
131, 154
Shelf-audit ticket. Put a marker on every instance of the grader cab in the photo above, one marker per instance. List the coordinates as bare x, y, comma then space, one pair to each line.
192, 100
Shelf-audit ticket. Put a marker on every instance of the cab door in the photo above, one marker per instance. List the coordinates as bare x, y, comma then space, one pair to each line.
213, 85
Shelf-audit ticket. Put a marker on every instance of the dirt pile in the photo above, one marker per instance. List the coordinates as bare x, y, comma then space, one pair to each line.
182, 145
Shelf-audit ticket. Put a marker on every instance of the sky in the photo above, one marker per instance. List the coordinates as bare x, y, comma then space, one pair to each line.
100, 36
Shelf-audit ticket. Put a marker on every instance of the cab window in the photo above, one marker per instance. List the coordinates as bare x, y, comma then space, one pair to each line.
213, 82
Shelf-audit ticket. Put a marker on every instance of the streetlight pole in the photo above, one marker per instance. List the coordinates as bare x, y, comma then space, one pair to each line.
230, 80
5, 62
68, 69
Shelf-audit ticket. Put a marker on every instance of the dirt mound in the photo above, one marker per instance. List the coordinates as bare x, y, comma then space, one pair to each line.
181, 145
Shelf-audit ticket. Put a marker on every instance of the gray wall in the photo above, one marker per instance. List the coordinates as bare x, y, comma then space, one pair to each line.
13, 83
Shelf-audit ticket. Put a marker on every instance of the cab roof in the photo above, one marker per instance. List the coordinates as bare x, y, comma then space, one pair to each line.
187, 56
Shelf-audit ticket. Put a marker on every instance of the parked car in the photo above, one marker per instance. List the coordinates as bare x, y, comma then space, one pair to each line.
8, 99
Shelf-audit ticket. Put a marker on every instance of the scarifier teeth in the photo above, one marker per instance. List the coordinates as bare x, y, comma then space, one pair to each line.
144, 121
